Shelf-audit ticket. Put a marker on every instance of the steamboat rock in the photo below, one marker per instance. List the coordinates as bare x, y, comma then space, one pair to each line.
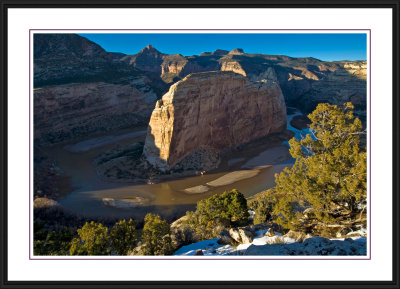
212, 112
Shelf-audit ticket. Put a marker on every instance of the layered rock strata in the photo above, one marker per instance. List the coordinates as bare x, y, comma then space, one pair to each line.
212, 112
70, 111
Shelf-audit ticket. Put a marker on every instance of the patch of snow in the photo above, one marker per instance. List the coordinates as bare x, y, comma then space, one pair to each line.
209, 248
315, 246
279, 245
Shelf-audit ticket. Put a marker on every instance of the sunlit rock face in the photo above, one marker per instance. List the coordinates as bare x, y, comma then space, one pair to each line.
212, 112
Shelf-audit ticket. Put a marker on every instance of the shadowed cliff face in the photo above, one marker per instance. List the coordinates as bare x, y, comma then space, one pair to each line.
81, 89
69, 111
210, 112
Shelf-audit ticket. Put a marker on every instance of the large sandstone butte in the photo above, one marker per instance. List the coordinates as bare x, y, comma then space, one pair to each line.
212, 112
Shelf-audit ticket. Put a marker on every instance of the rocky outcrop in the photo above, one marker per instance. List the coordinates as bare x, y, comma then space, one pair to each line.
236, 51
242, 235
233, 66
40, 203
213, 112
300, 122
172, 66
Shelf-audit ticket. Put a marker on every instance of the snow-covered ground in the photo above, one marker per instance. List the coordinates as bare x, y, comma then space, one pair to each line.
279, 245
212, 248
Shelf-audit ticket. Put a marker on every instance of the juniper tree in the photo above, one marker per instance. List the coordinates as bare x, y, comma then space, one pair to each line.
156, 236
93, 240
123, 236
217, 212
329, 174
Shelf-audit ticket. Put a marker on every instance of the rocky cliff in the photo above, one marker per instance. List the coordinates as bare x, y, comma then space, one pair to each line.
70, 111
209, 112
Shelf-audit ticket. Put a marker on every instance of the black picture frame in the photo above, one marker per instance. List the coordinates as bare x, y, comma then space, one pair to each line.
4, 160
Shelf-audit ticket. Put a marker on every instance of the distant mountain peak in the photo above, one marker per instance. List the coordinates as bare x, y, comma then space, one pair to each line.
220, 52
236, 51
150, 49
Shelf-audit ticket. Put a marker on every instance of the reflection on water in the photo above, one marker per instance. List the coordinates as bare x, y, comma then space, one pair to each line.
167, 198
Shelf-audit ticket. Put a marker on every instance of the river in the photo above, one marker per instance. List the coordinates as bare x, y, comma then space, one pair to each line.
166, 198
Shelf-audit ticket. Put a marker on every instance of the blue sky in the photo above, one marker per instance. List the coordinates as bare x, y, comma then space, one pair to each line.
327, 46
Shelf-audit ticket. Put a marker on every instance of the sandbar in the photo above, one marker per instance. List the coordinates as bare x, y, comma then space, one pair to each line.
197, 189
125, 203
233, 177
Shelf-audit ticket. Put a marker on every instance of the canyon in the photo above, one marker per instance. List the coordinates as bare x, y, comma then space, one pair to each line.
75, 79
201, 112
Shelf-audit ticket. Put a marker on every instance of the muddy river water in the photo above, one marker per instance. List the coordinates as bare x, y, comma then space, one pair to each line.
166, 198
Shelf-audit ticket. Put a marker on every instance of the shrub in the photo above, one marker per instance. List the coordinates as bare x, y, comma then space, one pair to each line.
263, 206
156, 236
93, 240
48, 242
123, 236
218, 212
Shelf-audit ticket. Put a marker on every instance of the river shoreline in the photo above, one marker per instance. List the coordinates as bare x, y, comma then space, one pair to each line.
173, 195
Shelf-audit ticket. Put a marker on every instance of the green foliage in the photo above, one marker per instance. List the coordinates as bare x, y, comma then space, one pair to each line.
263, 205
231, 206
329, 174
123, 236
217, 212
156, 236
93, 240
50, 242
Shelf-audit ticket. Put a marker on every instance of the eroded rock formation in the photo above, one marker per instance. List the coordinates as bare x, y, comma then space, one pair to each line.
212, 112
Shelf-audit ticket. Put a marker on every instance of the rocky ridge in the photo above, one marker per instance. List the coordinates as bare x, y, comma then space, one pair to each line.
305, 82
70, 58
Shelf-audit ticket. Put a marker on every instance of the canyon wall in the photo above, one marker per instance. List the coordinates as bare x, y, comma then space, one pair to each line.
212, 112
80, 89
70, 111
